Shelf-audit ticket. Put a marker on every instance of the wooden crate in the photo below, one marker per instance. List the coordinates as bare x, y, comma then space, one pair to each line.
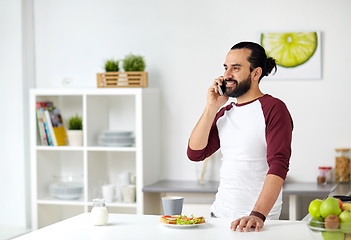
121, 79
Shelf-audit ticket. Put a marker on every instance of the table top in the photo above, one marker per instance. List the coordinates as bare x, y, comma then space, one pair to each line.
289, 188
129, 226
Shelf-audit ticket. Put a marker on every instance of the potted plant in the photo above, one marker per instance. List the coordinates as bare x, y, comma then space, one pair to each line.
111, 65
134, 63
75, 131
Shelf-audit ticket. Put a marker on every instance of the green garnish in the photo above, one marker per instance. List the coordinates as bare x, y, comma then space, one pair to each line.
184, 220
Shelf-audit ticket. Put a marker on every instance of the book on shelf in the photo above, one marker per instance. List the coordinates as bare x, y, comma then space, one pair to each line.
41, 127
51, 129
42, 106
59, 129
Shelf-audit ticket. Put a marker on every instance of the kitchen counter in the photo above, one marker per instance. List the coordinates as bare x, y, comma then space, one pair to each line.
292, 190
128, 226
343, 189
182, 186
304, 188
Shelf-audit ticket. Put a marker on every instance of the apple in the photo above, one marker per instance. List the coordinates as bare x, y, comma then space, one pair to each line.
345, 220
314, 207
345, 217
340, 203
330, 206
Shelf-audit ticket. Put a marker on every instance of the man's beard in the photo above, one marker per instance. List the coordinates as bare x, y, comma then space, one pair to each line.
240, 89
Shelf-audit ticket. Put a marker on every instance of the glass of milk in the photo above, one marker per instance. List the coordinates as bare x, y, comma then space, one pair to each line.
99, 214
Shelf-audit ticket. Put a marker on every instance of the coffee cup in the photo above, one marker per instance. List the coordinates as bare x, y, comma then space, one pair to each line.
172, 205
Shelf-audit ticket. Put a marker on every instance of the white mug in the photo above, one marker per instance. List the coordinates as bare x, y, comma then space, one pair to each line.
172, 205
108, 192
124, 178
129, 192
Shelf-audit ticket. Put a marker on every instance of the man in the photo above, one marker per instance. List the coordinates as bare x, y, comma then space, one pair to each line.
254, 135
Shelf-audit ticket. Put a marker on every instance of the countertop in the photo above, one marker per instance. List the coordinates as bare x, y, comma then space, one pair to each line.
129, 226
182, 186
304, 188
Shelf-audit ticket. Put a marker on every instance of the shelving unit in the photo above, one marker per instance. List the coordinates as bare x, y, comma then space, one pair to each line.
127, 109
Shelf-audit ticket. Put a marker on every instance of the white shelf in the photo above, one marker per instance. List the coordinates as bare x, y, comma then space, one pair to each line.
59, 148
111, 149
52, 201
92, 148
127, 109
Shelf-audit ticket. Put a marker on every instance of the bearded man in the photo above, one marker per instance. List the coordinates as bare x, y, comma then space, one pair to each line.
254, 135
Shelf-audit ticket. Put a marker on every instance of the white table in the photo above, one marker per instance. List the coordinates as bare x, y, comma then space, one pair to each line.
128, 226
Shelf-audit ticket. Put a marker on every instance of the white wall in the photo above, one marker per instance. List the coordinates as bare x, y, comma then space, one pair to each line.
184, 44
12, 160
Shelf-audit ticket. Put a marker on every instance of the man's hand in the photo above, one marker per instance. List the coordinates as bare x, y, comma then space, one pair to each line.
245, 223
213, 97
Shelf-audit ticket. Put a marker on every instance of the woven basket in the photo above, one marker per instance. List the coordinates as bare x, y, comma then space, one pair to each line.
121, 79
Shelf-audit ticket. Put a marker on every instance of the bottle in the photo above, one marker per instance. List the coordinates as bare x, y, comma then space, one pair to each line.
342, 165
324, 175
99, 214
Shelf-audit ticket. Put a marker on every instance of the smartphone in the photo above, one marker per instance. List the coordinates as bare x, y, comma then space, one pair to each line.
221, 89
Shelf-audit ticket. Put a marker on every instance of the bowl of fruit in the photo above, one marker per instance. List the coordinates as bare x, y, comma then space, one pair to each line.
330, 219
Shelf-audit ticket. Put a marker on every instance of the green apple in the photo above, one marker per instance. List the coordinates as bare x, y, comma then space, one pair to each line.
330, 206
314, 207
345, 220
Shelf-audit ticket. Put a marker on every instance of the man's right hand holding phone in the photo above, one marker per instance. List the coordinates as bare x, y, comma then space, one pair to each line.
214, 98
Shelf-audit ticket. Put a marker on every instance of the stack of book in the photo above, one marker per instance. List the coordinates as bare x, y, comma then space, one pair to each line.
50, 125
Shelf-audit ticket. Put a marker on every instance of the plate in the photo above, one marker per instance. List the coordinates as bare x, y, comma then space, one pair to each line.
183, 226
117, 133
66, 190
116, 144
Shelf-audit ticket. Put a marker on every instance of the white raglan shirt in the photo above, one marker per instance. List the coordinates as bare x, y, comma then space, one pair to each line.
242, 132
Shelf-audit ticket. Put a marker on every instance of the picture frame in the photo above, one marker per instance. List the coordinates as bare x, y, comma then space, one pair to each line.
297, 54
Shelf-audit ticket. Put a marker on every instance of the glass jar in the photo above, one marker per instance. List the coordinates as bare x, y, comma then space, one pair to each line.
324, 175
342, 165
99, 214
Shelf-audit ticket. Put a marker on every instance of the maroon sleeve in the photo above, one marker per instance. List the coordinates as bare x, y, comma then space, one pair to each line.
213, 141
212, 146
279, 126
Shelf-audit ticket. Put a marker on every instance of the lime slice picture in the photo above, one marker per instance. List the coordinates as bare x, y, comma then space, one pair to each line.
290, 49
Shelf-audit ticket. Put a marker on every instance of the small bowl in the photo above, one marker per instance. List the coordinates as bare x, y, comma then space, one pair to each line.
319, 232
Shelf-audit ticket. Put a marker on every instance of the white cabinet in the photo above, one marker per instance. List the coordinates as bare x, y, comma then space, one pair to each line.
135, 110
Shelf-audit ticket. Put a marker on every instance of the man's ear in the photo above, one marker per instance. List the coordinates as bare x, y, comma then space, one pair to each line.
257, 72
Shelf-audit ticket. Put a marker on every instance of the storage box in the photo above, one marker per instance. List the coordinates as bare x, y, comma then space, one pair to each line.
121, 79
